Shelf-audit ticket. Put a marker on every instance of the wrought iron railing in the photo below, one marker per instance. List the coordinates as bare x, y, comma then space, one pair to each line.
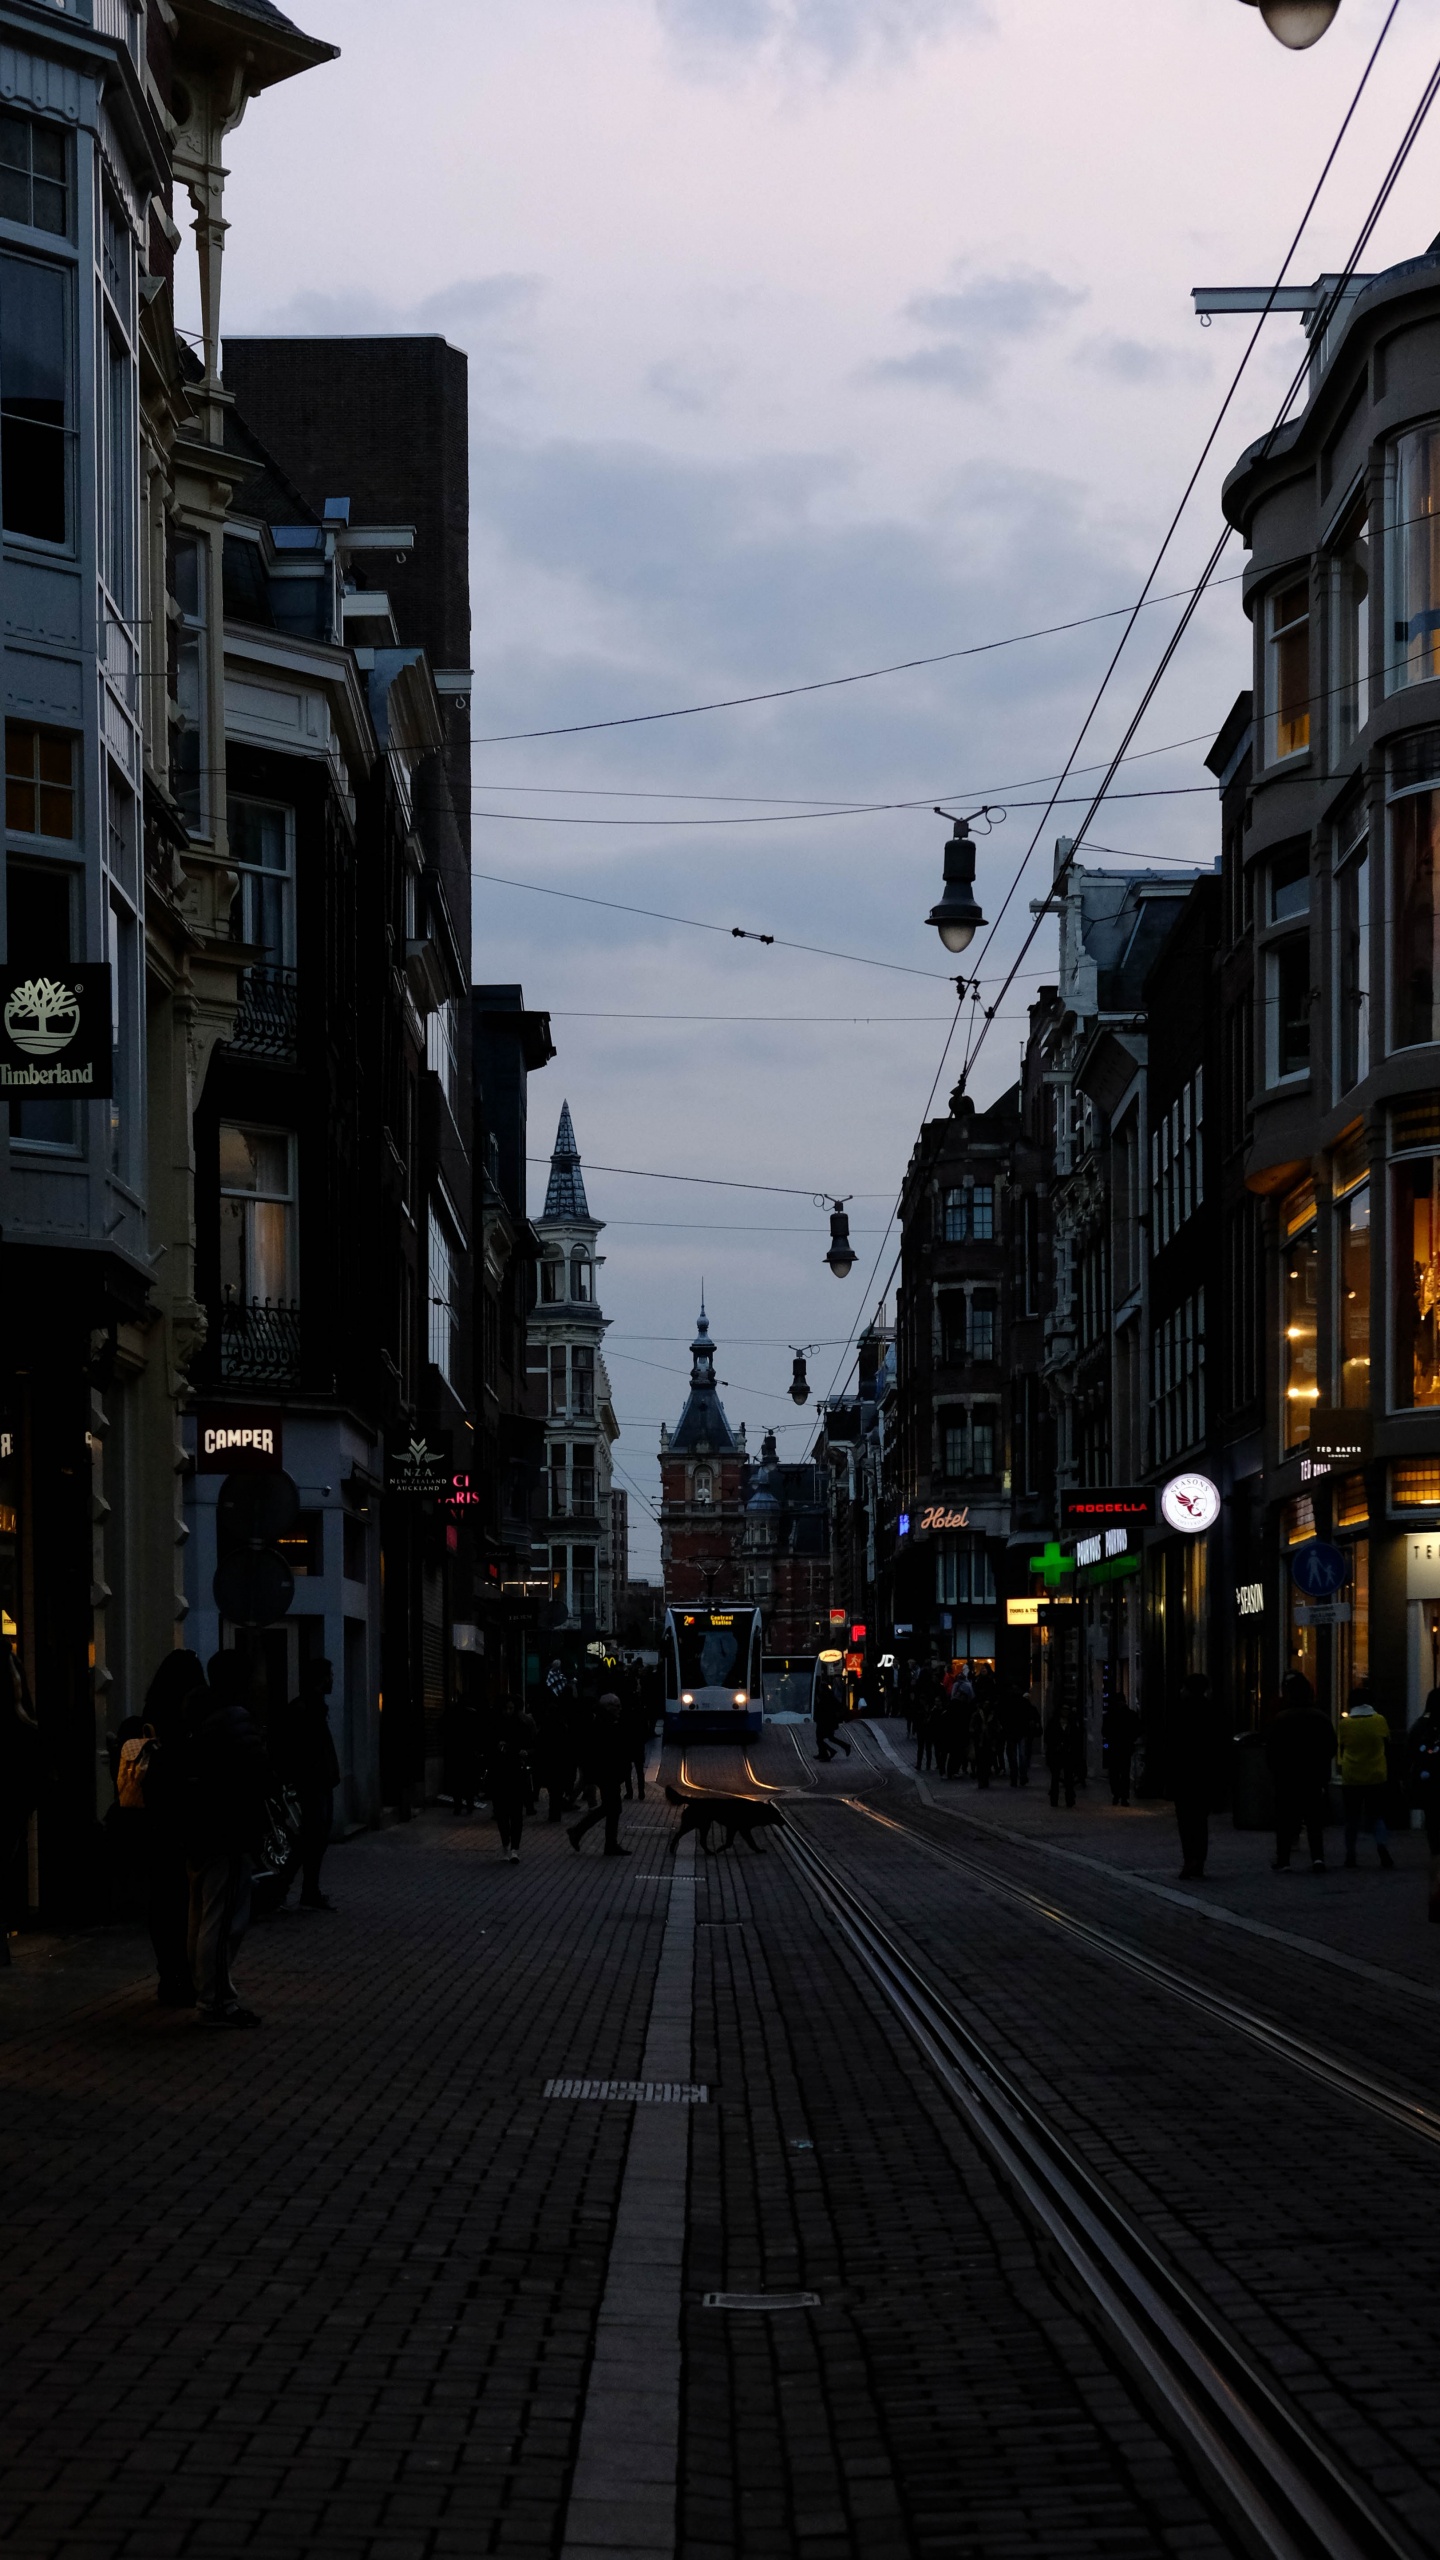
259, 1339
268, 1022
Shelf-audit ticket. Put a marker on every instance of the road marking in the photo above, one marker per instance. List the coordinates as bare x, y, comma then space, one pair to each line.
622, 2497
635, 2093
760, 2301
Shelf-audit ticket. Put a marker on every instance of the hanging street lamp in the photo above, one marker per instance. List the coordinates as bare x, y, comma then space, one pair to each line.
799, 1387
1296, 24
956, 914
841, 1256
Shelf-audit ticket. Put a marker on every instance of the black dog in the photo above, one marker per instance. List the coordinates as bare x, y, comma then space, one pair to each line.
743, 1814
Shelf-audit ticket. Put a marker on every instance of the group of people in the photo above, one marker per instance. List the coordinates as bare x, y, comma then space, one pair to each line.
584, 1744
971, 1727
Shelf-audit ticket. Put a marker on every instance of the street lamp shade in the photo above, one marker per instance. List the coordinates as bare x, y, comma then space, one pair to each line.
957, 913
841, 1256
799, 1388
1296, 23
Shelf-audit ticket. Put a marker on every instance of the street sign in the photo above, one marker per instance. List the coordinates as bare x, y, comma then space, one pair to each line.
1325, 1613
1109, 1507
1319, 1570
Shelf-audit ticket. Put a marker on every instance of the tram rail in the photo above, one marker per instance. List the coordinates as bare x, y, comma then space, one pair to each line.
1273, 2477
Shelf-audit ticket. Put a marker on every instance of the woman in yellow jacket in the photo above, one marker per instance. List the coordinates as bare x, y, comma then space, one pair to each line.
1364, 1769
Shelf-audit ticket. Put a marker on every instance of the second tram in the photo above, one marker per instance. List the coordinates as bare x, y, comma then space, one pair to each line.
713, 1685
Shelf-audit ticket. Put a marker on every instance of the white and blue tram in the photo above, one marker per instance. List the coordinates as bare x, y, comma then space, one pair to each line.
713, 1683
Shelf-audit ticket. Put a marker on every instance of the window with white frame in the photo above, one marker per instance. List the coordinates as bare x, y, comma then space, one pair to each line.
1350, 635
442, 1049
189, 564
258, 1258
1178, 1387
1177, 1171
1287, 624
1413, 556
964, 1574
444, 1275
262, 849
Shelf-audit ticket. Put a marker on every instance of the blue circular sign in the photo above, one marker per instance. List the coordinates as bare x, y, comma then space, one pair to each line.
1319, 1570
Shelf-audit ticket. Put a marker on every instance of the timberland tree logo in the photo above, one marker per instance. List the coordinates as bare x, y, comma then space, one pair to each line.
56, 1031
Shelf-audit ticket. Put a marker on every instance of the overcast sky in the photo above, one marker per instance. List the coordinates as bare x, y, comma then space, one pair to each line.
804, 336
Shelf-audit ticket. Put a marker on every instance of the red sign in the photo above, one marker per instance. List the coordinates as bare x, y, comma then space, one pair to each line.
837, 1617
857, 1635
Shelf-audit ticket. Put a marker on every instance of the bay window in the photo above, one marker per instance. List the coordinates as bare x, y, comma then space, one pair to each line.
1352, 1256
34, 174
1287, 1002
1414, 856
1352, 965
36, 423
1287, 616
444, 1273
1300, 1348
1350, 637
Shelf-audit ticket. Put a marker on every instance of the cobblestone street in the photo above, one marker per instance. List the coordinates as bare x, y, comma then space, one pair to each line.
355, 2285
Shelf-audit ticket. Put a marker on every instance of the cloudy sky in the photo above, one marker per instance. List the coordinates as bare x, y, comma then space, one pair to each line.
806, 336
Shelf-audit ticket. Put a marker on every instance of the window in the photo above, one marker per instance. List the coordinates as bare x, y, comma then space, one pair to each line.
982, 1325
559, 1392
1352, 964
262, 842
1299, 1366
1414, 1488
582, 1277
117, 257
1414, 558
558, 1496
39, 782
582, 1482
257, 1216
1243, 1275
444, 1270
964, 1575
1415, 858
704, 1485
552, 1283
969, 1214
969, 1440
118, 483
40, 905
1178, 1415
982, 1442
952, 1325
1290, 885
1417, 1281
1287, 971
33, 175
1350, 638
124, 1104
1352, 1221
1352, 1502
187, 642
1288, 617
35, 417
1177, 1173
954, 1444
442, 1049
582, 1381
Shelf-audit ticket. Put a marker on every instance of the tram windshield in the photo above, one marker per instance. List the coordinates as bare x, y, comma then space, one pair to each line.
712, 1647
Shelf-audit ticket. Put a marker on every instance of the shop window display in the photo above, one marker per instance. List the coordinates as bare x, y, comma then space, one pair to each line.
1417, 1282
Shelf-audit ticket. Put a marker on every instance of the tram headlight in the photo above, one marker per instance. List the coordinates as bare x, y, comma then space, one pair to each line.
687, 1697
741, 1699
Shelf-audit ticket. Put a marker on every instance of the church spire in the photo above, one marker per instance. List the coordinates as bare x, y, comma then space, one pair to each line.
565, 1197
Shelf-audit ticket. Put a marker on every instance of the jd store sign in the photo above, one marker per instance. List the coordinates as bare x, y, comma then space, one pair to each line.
56, 1033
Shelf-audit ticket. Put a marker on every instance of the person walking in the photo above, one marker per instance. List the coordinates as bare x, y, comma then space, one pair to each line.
1299, 1754
1198, 1771
1064, 1751
606, 1769
226, 1775
985, 1743
303, 1758
1120, 1731
1021, 1728
19, 1778
176, 1695
1423, 1750
1364, 1767
460, 1742
828, 1713
638, 1725
510, 1754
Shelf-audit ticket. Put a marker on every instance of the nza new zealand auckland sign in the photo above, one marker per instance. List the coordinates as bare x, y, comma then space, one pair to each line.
55, 1031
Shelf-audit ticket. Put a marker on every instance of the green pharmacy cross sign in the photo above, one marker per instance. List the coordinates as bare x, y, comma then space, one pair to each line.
1053, 1564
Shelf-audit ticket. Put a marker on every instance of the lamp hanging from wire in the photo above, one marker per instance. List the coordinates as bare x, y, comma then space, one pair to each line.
841, 1256
1296, 24
956, 914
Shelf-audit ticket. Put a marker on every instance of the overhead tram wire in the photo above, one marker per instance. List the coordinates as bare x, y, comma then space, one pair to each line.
700, 924
974, 1046
824, 684
1381, 198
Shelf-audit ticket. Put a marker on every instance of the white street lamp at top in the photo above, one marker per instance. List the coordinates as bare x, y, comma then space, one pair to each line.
1296, 23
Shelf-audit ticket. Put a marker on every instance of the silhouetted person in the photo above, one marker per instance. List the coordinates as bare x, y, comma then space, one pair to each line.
175, 1701
227, 1772
605, 1766
1198, 1760
1064, 1751
1364, 1771
1020, 1724
20, 1766
1423, 1751
302, 1750
828, 1713
1299, 1751
511, 1749
1121, 1733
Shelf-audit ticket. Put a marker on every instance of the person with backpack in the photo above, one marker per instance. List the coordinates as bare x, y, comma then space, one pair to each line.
226, 1783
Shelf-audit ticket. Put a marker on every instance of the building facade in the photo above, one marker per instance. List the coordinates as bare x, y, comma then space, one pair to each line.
566, 1332
704, 1482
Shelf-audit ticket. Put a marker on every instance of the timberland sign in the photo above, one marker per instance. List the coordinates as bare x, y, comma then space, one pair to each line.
56, 1032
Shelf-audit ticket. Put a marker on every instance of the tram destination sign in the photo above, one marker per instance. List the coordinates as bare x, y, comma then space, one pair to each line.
1087, 1507
57, 1033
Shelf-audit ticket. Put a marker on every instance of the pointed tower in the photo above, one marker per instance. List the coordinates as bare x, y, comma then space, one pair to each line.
702, 1471
588, 1565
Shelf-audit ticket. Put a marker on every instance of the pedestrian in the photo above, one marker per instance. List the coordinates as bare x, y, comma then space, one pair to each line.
511, 1750
20, 1771
175, 1695
828, 1715
1020, 1728
1198, 1769
226, 1777
1364, 1767
930, 1712
303, 1757
1120, 1731
638, 1725
985, 1744
1064, 1751
1424, 1760
605, 1766
1299, 1754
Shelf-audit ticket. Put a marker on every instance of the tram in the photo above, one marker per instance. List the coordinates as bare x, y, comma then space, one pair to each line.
713, 1685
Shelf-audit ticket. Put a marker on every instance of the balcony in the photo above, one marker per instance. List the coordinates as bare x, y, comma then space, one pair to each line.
267, 1024
260, 1340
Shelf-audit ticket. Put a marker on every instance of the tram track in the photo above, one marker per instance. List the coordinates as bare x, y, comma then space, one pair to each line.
1272, 2476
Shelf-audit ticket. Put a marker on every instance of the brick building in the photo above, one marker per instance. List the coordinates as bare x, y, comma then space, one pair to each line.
703, 1477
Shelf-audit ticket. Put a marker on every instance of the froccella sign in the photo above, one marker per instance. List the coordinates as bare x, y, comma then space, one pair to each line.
55, 1031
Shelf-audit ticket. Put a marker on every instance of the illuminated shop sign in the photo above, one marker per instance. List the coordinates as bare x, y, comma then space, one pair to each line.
1190, 1502
238, 1439
420, 1466
1100, 1548
1250, 1599
1086, 1507
943, 1516
1023, 1613
57, 1033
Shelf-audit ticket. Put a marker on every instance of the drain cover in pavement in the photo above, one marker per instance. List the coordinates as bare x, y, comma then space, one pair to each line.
635, 2093
761, 2301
